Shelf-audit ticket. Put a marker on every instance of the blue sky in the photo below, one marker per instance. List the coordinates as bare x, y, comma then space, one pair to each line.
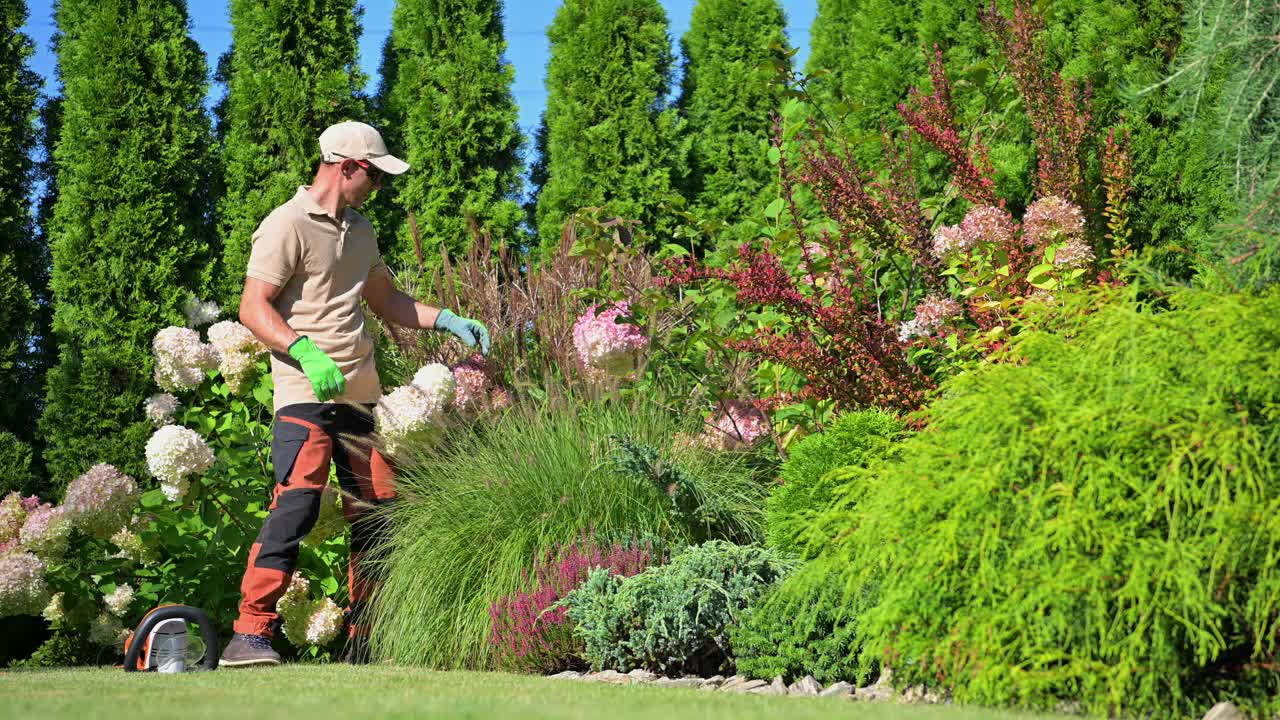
526, 24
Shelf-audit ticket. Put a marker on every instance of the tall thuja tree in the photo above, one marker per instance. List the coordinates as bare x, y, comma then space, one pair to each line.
130, 227
23, 260
610, 139
729, 96
291, 72
446, 103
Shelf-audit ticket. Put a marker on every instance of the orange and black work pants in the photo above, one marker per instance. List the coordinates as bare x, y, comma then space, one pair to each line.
306, 437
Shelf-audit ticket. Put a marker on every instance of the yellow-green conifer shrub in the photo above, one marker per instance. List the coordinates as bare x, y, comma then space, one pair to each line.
1094, 517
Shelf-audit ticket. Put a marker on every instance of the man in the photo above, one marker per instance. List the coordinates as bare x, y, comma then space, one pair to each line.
312, 261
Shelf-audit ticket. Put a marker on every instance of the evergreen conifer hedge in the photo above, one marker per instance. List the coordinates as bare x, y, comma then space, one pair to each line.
291, 72
729, 95
608, 139
129, 233
446, 107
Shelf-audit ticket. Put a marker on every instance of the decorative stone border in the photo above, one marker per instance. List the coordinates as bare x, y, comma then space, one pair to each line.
881, 691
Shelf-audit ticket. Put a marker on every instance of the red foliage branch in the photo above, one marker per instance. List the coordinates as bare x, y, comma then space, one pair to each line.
933, 118
1057, 108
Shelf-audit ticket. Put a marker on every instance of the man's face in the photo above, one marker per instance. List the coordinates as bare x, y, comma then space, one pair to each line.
360, 179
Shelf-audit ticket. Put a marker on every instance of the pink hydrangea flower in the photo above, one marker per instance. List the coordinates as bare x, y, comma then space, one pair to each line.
1074, 253
23, 590
101, 501
950, 239
739, 424
13, 512
988, 224
933, 311
46, 531
604, 344
473, 379
1050, 220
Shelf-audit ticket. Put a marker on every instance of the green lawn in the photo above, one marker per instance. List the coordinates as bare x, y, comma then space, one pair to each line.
320, 692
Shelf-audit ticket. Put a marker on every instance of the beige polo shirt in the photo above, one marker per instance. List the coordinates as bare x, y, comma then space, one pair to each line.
321, 264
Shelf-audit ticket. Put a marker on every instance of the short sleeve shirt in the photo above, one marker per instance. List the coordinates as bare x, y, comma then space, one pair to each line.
321, 264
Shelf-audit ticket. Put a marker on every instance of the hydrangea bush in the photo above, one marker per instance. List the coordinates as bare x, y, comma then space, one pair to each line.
117, 546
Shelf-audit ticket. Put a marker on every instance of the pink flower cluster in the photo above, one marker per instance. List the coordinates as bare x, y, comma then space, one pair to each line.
45, 531
13, 513
474, 379
1051, 219
529, 630
983, 224
101, 501
605, 346
931, 314
23, 590
738, 425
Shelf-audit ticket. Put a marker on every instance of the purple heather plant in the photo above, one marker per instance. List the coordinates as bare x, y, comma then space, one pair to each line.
531, 631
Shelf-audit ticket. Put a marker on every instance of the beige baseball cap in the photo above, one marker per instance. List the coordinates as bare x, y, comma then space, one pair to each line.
359, 141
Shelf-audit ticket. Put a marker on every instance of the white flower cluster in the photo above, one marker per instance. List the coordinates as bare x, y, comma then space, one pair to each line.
132, 548
173, 454
307, 621
181, 358
54, 612
238, 350
160, 408
437, 382
199, 313
13, 513
23, 590
100, 501
326, 621
407, 416
118, 601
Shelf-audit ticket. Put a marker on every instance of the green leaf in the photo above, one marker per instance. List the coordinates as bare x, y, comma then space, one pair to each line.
774, 209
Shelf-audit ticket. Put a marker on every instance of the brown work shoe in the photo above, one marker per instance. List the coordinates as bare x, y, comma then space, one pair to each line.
249, 650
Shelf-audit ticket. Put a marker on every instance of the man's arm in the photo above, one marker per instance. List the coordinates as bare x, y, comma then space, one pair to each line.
261, 317
395, 306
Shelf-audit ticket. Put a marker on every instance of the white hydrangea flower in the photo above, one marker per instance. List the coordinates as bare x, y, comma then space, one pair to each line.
23, 590
325, 623
132, 548
406, 417
175, 490
181, 358
174, 453
118, 601
438, 383
160, 408
199, 313
238, 350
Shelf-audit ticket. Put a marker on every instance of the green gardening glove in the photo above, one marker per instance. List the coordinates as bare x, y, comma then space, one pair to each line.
326, 379
470, 332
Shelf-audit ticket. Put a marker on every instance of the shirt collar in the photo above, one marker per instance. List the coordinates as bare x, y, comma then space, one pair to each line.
312, 207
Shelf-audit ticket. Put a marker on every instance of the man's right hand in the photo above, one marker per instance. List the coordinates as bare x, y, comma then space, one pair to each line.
326, 379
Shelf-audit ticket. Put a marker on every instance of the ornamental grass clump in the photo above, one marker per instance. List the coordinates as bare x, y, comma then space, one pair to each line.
478, 510
531, 629
1093, 519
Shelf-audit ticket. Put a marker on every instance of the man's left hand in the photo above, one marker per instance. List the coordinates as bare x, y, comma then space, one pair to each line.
470, 332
